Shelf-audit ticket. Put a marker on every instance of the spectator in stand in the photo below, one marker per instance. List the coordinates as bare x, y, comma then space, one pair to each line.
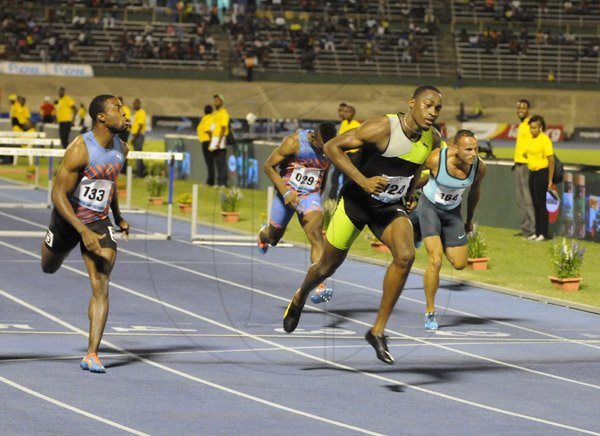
219, 139
65, 113
47, 110
138, 128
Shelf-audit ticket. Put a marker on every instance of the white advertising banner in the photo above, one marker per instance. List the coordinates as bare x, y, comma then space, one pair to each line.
46, 69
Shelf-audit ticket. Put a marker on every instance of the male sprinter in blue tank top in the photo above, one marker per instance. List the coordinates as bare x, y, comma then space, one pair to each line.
299, 182
82, 195
437, 217
380, 182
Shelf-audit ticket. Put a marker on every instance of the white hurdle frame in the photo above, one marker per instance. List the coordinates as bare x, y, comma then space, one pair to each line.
170, 157
224, 240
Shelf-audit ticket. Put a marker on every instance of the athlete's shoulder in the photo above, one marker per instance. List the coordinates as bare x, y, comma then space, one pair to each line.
437, 137
76, 154
124, 147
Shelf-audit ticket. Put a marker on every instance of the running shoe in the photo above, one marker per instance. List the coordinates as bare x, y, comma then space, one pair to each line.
92, 363
291, 317
263, 247
322, 294
379, 343
431, 322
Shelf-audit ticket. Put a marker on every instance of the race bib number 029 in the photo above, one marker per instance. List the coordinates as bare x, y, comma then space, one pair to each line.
395, 190
305, 179
93, 194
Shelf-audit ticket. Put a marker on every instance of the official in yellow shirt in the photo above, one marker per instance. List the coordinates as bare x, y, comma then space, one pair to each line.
219, 139
205, 130
124, 135
523, 196
65, 113
138, 128
15, 113
24, 116
540, 161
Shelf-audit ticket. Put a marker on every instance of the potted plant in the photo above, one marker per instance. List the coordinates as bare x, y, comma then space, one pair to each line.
566, 259
30, 172
184, 201
230, 203
376, 244
477, 259
156, 186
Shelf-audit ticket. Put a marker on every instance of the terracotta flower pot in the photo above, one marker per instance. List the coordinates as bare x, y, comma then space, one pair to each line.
570, 284
478, 264
185, 207
156, 201
230, 217
380, 246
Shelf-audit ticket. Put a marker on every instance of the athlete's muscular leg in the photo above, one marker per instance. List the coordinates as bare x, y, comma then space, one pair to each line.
312, 223
51, 262
431, 278
271, 235
329, 261
458, 256
99, 272
398, 236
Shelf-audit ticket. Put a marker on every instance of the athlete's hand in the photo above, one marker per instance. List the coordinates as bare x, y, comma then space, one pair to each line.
291, 198
124, 226
91, 241
411, 204
375, 184
468, 227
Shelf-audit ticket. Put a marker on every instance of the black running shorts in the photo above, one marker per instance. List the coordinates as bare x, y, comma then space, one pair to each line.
61, 237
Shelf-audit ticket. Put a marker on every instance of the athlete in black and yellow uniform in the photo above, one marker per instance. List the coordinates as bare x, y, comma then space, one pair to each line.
392, 150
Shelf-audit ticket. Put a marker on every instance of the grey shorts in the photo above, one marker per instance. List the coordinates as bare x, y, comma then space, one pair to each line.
429, 220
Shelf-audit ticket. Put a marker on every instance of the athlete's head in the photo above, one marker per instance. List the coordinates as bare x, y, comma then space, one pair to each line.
425, 106
218, 101
465, 143
324, 132
208, 109
341, 109
349, 113
107, 110
536, 125
523, 107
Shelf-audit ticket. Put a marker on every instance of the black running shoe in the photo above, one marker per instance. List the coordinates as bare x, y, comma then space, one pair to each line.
291, 317
380, 345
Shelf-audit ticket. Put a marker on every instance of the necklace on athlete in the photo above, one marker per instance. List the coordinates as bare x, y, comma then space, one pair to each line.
416, 132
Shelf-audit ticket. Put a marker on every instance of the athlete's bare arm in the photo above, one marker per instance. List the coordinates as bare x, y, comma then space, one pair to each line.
75, 159
374, 131
114, 204
287, 149
474, 194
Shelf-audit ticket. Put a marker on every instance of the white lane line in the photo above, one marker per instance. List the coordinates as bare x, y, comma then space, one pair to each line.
183, 374
245, 350
403, 297
306, 355
451, 341
402, 335
69, 407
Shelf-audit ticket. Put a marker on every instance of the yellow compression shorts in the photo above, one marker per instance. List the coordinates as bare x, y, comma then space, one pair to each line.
341, 232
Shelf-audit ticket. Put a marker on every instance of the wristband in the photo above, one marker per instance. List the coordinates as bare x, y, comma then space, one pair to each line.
289, 191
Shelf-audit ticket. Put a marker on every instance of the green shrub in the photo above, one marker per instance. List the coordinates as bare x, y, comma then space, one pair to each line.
155, 185
476, 243
230, 199
566, 259
185, 198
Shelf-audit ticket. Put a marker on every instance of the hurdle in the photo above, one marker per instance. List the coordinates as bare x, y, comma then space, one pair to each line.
11, 134
223, 240
171, 157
